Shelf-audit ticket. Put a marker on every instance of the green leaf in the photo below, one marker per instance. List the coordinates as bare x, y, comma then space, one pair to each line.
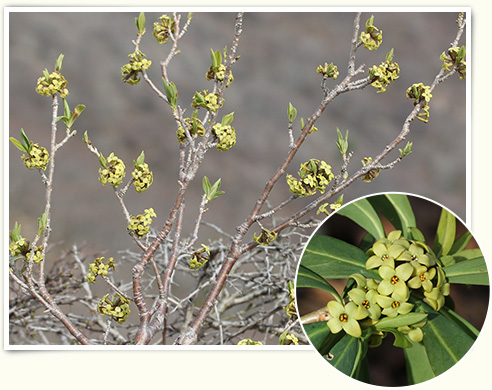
321, 337
446, 233
400, 320
342, 142
18, 145
472, 271
140, 22
59, 63
66, 108
213, 59
211, 191
363, 214
400, 340
445, 341
42, 222
27, 143
397, 209
227, 119
461, 243
291, 112
140, 160
206, 185
102, 161
460, 321
332, 258
390, 55
345, 354
308, 278
171, 92
419, 368
416, 234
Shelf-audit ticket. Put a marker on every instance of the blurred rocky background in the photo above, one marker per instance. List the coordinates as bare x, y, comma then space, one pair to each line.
279, 55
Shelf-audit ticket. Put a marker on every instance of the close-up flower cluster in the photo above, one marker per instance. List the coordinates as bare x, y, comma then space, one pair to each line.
372, 37
314, 175
420, 93
455, 58
328, 70
226, 136
265, 237
38, 157
142, 176
51, 83
112, 170
99, 268
117, 307
200, 257
207, 100
195, 128
408, 269
140, 225
383, 75
164, 28
130, 73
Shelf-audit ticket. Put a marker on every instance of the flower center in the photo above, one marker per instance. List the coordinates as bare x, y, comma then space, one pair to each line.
414, 257
395, 304
343, 317
385, 257
422, 277
395, 279
366, 304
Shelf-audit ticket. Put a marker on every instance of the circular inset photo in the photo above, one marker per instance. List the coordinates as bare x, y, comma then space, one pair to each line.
392, 289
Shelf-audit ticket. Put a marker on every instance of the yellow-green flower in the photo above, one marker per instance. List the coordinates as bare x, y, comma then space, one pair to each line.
130, 73
328, 70
226, 136
38, 157
345, 317
200, 257
394, 305
384, 254
422, 278
142, 177
117, 307
372, 37
140, 224
51, 83
112, 170
314, 175
249, 342
163, 29
394, 280
366, 302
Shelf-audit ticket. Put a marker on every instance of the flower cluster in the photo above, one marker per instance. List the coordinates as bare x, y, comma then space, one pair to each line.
130, 73
99, 268
18, 247
195, 128
37, 254
51, 83
314, 175
140, 225
333, 206
207, 100
328, 70
117, 307
383, 75
406, 267
455, 58
218, 74
142, 175
372, 174
38, 157
164, 29
265, 237
372, 37
112, 170
226, 136
288, 339
200, 258
420, 93
249, 342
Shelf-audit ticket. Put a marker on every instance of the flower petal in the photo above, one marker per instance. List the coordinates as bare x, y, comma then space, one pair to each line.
352, 328
357, 295
335, 325
386, 272
404, 271
386, 288
336, 309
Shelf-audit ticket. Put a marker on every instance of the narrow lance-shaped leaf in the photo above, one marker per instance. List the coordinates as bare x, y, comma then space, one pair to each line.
397, 209
59, 63
140, 160
461, 243
27, 143
140, 22
342, 142
363, 214
227, 119
308, 278
18, 145
291, 112
332, 258
445, 235
472, 271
